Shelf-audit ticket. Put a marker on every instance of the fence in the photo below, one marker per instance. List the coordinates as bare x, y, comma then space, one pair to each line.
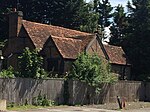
129, 90
70, 92
23, 91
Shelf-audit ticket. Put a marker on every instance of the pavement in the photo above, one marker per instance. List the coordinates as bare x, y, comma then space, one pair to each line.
137, 110
68, 109
81, 109
110, 107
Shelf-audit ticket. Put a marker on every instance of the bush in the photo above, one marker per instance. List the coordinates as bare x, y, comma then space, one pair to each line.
30, 65
42, 101
9, 73
92, 70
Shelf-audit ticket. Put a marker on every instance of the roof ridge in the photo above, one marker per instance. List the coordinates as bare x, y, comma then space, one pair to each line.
67, 38
60, 27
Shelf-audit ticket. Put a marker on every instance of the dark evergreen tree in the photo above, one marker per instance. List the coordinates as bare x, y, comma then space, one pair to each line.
137, 45
90, 20
118, 28
74, 14
104, 8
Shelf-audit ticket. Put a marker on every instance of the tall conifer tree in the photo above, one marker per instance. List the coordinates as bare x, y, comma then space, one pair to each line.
104, 8
138, 46
118, 26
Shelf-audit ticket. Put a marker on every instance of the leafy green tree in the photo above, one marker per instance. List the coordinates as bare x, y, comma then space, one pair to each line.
118, 28
91, 69
137, 43
30, 65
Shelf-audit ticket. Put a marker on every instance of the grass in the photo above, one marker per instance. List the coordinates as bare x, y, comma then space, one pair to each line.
24, 107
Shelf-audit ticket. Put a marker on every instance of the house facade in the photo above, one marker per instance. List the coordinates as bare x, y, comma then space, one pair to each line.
58, 46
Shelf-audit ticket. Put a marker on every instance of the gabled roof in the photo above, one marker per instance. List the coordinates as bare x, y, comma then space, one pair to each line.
69, 48
39, 33
68, 42
116, 55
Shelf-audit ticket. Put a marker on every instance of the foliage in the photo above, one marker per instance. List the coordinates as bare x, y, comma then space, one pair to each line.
42, 101
137, 45
9, 73
118, 27
30, 64
90, 21
92, 69
104, 8
4, 25
66, 13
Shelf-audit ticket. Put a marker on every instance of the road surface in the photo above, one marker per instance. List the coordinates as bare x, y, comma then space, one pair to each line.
81, 109
68, 109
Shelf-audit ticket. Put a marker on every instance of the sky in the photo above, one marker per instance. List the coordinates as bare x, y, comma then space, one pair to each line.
116, 2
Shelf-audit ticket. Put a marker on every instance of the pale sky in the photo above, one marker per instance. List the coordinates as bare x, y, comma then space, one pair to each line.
116, 2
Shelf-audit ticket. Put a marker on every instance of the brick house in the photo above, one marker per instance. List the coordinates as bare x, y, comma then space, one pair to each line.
58, 46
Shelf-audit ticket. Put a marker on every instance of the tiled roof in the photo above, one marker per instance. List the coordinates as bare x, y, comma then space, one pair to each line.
69, 48
39, 33
116, 54
69, 42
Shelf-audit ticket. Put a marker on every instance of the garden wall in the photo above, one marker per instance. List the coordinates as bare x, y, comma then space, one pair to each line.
22, 91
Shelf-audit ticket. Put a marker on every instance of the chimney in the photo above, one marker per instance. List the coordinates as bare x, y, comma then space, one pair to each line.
15, 23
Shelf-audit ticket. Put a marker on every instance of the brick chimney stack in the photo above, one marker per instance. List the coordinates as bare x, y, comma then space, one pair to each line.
15, 23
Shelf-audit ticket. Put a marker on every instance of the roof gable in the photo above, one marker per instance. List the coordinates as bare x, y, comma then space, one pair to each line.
116, 55
39, 33
68, 42
69, 48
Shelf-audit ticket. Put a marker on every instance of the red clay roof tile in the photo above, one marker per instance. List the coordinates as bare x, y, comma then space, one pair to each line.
69, 42
39, 33
69, 48
116, 54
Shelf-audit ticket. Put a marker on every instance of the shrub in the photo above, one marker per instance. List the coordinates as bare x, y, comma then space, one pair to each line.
9, 73
42, 101
30, 64
92, 70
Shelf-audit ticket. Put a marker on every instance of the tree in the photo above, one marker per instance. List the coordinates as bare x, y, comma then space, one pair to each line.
4, 25
91, 69
65, 13
118, 27
30, 64
90, 20
137, 44
104, 8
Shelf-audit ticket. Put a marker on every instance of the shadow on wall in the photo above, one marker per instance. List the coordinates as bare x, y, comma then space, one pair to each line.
144, 92
80, 93
23, 90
